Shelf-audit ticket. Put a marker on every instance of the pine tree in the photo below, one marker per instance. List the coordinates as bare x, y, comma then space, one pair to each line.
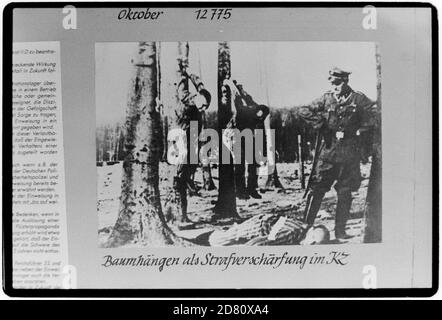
207, 170
373, 207
226, 204
140, 217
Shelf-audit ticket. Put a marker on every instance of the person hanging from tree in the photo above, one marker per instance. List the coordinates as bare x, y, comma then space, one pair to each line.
190, 109
247, 114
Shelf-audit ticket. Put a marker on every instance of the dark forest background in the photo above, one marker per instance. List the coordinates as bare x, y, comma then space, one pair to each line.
110, 138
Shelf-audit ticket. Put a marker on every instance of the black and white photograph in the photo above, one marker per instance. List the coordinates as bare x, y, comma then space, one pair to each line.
299, 125
220, 150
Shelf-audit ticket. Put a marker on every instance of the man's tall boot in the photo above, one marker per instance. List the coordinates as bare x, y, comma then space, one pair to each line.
313, 205
252, 181
342, 213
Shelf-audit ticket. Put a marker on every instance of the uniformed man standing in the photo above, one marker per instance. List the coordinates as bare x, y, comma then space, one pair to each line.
190, 108
344, 119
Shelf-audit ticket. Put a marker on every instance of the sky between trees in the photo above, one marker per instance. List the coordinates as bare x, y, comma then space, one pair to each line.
279, 74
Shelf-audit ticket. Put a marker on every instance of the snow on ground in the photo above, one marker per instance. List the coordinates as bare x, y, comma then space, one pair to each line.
200, 207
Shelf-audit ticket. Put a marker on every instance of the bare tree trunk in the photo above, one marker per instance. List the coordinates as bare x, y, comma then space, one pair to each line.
164, 118
226, 204
179, 202
112, 143
117, 142
207, 171
273, 178
140, 218
121, 143
301, 148
373, 207
165, 126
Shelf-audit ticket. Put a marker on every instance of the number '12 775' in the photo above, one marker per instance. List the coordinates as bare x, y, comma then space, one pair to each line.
213, 14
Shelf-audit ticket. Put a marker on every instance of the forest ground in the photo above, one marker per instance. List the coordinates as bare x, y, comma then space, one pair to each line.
200, 207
